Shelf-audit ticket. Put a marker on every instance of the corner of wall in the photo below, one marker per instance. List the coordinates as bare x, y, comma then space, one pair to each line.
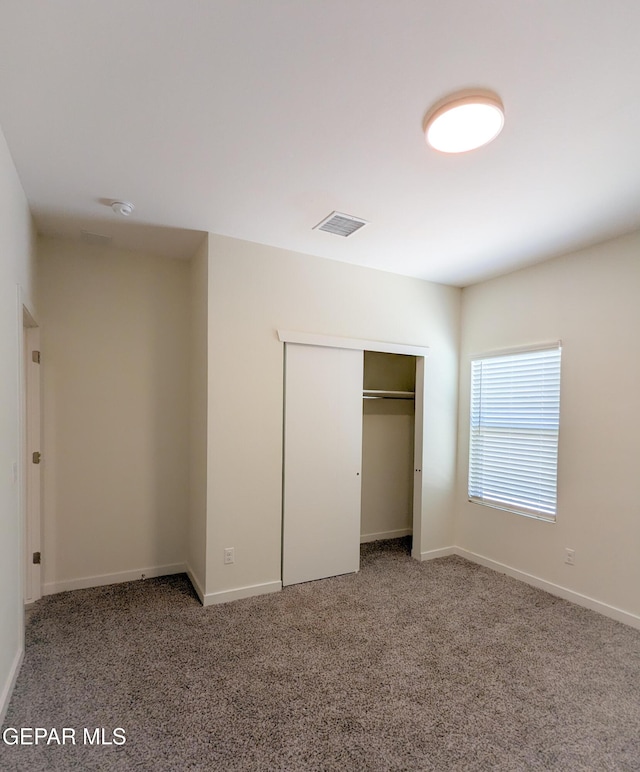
198, 417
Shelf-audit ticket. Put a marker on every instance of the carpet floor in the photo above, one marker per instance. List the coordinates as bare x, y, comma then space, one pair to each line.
443, 665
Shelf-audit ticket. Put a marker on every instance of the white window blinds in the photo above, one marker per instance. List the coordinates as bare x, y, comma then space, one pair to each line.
513, 449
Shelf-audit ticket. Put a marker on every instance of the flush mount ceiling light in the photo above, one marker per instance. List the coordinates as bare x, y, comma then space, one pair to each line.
122, 207
464, 121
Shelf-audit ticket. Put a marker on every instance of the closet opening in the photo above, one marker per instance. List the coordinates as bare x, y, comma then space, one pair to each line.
388, 446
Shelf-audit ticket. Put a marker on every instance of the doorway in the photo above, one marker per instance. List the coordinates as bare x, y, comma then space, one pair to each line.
388, 448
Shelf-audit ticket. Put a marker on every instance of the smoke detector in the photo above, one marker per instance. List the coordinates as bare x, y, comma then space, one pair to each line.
340, 224
125, 208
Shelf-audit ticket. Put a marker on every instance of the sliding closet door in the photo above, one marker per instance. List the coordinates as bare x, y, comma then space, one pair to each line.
322, 462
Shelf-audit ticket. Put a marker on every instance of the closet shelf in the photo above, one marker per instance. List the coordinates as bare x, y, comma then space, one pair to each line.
384, 394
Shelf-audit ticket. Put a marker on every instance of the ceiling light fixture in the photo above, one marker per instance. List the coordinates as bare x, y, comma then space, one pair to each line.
464, 121
122, 207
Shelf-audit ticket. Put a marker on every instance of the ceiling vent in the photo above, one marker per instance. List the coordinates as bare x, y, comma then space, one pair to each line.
340, 224
95, 238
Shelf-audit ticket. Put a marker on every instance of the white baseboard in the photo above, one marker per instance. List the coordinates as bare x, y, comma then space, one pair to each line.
397, 534
7, 689
195, 583
619, 615
121, 576
433, 554
224, 596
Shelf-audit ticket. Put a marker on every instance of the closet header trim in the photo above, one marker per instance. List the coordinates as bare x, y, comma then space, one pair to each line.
314, 339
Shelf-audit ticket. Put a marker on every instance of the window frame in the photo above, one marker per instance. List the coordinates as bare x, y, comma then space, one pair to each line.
545, 386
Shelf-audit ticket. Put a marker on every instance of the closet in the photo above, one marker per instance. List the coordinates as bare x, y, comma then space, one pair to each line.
387, 446
339, 395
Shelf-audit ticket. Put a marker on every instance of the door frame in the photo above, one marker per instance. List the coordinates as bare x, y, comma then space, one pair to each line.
386, 347
29, 473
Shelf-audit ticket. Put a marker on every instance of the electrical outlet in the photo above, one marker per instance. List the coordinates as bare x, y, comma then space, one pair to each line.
570, 557
229, 555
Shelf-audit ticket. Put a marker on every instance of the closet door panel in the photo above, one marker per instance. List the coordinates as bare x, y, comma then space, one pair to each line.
322, 462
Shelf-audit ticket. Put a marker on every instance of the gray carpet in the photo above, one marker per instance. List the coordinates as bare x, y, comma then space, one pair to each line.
405, 666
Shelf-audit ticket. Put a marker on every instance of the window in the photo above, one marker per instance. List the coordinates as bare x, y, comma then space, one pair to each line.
513, 447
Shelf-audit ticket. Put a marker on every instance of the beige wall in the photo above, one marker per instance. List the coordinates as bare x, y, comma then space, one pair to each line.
115, 341
589, 300
16, 269
253, 291
199, 357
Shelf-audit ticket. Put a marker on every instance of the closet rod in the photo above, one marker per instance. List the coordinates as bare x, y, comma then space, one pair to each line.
383, 394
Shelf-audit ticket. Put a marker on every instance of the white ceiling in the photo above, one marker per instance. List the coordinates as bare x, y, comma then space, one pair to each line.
257, 118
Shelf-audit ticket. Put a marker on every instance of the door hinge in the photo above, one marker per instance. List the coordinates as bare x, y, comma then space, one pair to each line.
36, 457
36, 558
35, 356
